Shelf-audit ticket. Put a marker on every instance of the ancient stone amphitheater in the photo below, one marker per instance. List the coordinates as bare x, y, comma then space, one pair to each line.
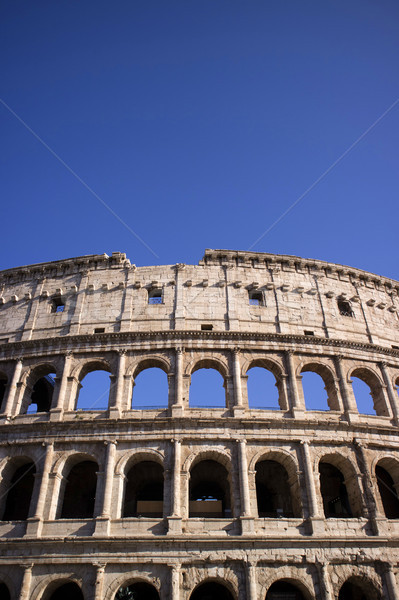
267, 494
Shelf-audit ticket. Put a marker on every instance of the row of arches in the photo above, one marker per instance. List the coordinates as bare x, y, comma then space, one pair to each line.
210, 489
208, 387
355, 588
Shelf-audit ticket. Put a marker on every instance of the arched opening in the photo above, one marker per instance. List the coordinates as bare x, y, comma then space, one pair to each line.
4, 592
209, 490
334, 492
137, 591
67, 591
207, 389
272, 490
19, 495
388, 494
262, 389
354, 589
94, 391
144, 490
345, 308
283, 590
368, 392
211, 590
3, 387
150, 389
42, 395
314, 391
80, 491
363, 396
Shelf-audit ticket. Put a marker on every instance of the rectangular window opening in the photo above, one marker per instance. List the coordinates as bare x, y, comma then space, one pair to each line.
57, 305
395, 347
99, 330
306, 332
155, 296
206, 327
255, 298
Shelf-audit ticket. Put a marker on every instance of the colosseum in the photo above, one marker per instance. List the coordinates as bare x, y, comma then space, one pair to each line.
260, 491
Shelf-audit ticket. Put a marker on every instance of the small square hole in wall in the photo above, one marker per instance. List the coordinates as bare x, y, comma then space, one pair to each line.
57, 305
306, 332
395, 347
155, 296
99, 330
255, 298
206, 327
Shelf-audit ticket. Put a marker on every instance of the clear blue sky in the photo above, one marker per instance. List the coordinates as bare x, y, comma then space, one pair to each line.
199, 123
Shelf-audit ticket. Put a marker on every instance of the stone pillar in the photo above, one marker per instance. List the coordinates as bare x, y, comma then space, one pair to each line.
59, 407
178, 404
26, 582
366, 487
392, 394
179, 297
247, 523
35, 524
251, 582
296, 405
238, 402
103, 521
99, 585
117, 404
174, 520
74, 326
350, 407
390, 582
9, 404
325, 583
316, 519
175, 582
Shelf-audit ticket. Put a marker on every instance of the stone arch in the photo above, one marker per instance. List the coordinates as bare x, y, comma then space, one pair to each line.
373, 379
294, 585
16, 488
328, 376
210, 476
208, 362
4, 382
45, 587
289, 463
350, 490
143, 490
224, 590
88, 365
85, 368
127, 579
214, 388
366, 579
291, 575
216, 454
6, 580
33, 377
387, 487
72, 457
271, 366
149, 362
134, 456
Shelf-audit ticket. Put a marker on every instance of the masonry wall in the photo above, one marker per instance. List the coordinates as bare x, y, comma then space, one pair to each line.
203, 317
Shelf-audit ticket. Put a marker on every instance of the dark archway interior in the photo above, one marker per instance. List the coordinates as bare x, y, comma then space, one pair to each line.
4, 592
334, 493
137, 591
209, 490
211, 591
42, 394
68, 591
3, 385
388, 493
351, 591
282, 590
20, 493
80, 491
144, 490
272, 490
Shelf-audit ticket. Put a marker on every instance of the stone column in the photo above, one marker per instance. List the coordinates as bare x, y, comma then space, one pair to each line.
392, 394
103, 521
59, 407
117, 404
325, 583
99, 585
348, 399
247, 523
296, 405
366, 487
178, 405
26, 582
390, 582
251, 581
35, 524
238, 403
74, 326
175, 582
316, 519
9, 404
179, 297
175, 518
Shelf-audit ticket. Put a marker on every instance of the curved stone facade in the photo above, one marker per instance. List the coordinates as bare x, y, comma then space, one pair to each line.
287, 503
